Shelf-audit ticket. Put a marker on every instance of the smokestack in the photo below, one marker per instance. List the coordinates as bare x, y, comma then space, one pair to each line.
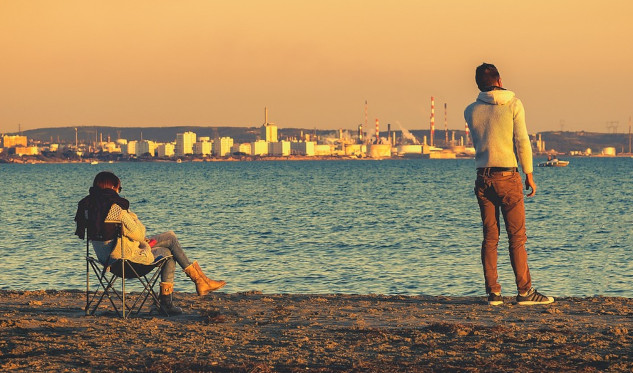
629, 135
445, 125
377, 132
389, 131
467, 132
366, 126
432, 134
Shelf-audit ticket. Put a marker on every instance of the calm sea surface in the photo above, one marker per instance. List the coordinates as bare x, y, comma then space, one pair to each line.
391, 226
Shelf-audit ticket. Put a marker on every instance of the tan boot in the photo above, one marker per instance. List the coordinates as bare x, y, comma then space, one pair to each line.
166, 302
204, 285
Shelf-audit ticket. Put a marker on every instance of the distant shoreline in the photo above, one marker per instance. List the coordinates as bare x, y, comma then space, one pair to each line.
202, 160
35, 160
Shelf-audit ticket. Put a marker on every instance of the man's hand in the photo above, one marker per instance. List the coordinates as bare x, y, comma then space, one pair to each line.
530, 184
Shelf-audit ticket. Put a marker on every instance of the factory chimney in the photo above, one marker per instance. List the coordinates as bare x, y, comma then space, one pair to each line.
432, 134
629, 135
389, 131
467, 132
366, 126
445, 126
377, 132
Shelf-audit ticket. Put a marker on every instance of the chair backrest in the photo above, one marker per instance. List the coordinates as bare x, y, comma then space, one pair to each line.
118, 230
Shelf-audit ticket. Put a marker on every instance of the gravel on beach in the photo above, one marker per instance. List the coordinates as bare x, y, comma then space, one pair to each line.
255, 332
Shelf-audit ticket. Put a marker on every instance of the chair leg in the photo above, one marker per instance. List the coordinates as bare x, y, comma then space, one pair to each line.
123, 306
106, 285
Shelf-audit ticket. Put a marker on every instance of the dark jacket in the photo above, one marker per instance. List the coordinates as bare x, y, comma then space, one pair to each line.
92, 211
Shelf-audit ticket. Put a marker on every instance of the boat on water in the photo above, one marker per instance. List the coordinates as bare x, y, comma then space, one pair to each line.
94, 162
553, 162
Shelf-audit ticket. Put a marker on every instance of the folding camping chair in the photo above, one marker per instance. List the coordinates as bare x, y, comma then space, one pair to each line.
107, 276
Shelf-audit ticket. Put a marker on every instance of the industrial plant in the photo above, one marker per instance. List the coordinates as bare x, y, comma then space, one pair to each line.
269, 142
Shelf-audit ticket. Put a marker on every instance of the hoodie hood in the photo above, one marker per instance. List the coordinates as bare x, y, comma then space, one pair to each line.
496, 97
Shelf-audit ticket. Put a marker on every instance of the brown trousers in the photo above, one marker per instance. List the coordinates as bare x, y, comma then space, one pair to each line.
503, 192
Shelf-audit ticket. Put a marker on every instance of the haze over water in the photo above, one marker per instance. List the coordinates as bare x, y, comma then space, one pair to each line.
391, 227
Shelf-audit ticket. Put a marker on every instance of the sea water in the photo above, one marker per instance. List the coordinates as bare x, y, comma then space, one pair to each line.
362, 226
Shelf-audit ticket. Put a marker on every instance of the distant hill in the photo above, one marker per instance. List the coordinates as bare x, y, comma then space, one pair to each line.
560, 141
165, 134
159, 134
565, 142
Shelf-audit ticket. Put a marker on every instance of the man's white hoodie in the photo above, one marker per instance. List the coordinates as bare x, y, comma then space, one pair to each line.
497, 125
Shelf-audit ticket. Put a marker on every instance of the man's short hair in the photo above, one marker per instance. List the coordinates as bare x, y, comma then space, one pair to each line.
486, 76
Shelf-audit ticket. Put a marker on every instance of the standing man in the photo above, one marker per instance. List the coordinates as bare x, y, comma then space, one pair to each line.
497, 126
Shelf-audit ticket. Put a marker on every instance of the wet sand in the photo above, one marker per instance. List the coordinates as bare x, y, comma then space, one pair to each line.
254, 332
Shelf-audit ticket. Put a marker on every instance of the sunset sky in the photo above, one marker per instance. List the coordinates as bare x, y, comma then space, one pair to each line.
312, 63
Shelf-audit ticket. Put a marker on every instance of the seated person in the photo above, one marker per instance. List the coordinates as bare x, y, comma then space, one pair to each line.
106, 209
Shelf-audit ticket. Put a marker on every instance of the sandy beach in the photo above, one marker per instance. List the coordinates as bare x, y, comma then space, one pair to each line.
255, 332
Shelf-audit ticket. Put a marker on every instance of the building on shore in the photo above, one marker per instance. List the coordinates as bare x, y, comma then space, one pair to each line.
222, 146
165, 150
243, 148
259, 147
323, 149
14, 141
26, 150
203, 146
144, 147
129, 148
184, 143
269, 130
305, 148
279, 148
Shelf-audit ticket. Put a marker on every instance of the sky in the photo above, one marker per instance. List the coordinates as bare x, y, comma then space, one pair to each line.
312, 63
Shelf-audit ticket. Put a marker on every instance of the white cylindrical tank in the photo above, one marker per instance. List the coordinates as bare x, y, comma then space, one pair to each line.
323, 149
609, 151
379, 150
410, 149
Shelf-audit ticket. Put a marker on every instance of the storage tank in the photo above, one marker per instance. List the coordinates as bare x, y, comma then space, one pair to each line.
379, 150
354, 149
410, 149
609, 151
323, 150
